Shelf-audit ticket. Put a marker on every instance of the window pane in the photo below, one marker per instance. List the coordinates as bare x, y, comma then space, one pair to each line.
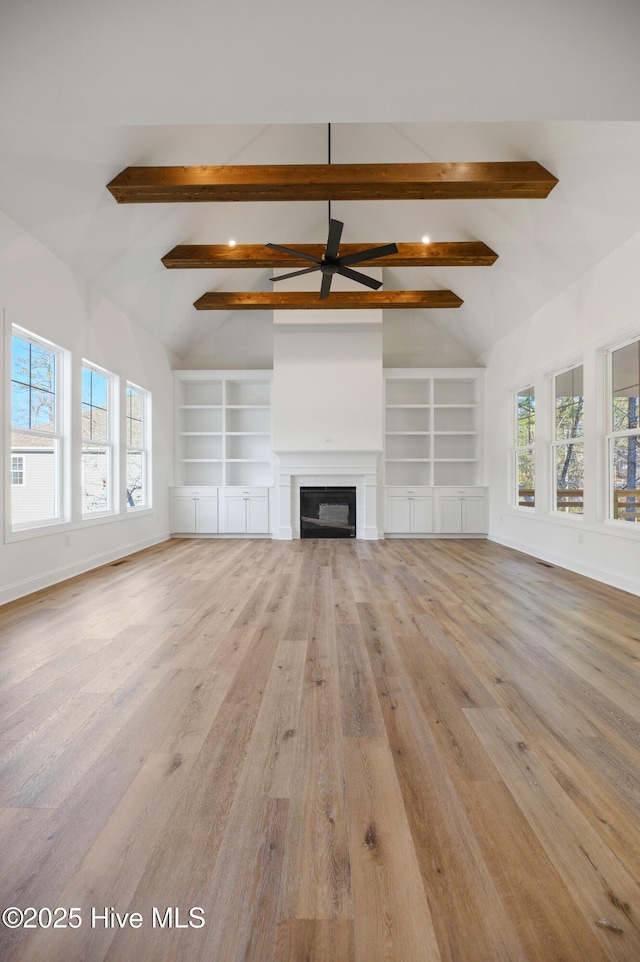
95, 411
95, 475
626, 387
134, 439
525, 467
34, 500
17, 469
43, 368
135, 479
20, 360
570, 478
42, 410
625, 454
134, 404
569, 404
19, 405
526, 416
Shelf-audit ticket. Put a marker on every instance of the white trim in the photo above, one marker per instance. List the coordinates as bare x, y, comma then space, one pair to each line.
26, 587
588, 571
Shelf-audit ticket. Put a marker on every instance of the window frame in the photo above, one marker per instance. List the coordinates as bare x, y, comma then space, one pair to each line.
111, 444
519, 449
143, 450
59, 435
564, 510
611, 435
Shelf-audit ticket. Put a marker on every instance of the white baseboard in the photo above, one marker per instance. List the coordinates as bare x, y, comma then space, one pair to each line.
579, 568
45, 580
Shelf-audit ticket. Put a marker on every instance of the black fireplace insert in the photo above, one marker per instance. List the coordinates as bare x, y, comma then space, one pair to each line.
327, 512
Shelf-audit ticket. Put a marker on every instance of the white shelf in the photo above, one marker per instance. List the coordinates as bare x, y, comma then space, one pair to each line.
223, 428
433, 428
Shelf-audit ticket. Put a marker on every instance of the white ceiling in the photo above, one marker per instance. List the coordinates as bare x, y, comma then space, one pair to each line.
88, 88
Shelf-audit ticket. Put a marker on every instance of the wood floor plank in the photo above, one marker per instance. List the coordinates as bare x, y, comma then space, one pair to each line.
391, 913
316, 881
315, 940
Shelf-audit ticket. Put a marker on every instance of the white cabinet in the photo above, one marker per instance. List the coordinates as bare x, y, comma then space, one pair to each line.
461, 510
408, 510
194, 510
244, 510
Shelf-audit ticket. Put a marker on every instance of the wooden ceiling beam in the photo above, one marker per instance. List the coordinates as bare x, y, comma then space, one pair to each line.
441, 254
337, 300
307, 182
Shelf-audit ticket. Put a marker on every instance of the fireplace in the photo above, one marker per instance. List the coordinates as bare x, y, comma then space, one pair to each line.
327, 512
326, 469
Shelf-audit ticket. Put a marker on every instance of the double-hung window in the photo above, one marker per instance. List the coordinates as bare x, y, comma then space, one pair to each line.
624, 432
36, 431
138, 454
525, 455
568, 441
98, 448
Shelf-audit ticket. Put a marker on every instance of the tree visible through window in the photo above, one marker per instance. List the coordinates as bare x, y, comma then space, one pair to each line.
624, 437
568, 446
35, 430
525, 457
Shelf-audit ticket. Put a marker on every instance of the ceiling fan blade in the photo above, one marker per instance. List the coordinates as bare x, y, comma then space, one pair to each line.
326, 286
307, 270
368, 255
289, 250
333, 240
360, 278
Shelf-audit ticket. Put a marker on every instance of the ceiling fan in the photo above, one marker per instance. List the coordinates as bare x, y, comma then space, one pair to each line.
332, 263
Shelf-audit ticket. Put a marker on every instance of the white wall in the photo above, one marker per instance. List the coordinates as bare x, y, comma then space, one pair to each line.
327, 391
600, 310
39, 292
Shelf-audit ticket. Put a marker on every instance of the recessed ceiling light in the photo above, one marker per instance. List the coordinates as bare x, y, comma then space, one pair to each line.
232, 243
426, 239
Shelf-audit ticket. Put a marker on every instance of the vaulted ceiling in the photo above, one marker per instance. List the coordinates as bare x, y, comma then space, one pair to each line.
88, 102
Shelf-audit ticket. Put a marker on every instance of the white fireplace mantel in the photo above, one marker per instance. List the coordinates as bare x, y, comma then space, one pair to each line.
296, 469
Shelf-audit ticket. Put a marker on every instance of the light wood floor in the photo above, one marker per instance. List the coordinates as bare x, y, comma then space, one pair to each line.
341, 751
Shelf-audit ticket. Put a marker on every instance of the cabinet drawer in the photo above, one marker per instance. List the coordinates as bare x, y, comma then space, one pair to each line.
239, 491
203, 490
453, 490
417, 490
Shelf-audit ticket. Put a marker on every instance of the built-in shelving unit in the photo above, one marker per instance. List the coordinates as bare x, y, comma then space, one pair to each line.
223, 428
433, 427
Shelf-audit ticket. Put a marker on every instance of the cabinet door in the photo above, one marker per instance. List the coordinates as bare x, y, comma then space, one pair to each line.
450, 510
421, 515
257, 515
398, 515
207, 515
235, 514
473, 516
184, 514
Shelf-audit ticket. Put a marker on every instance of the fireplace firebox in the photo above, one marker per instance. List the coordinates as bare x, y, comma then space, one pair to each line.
327, 512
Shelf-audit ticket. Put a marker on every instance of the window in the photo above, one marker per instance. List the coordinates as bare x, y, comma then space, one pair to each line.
568, 443
525, 464
97, 441
138, 455
36, 430
17, 469
624, 433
